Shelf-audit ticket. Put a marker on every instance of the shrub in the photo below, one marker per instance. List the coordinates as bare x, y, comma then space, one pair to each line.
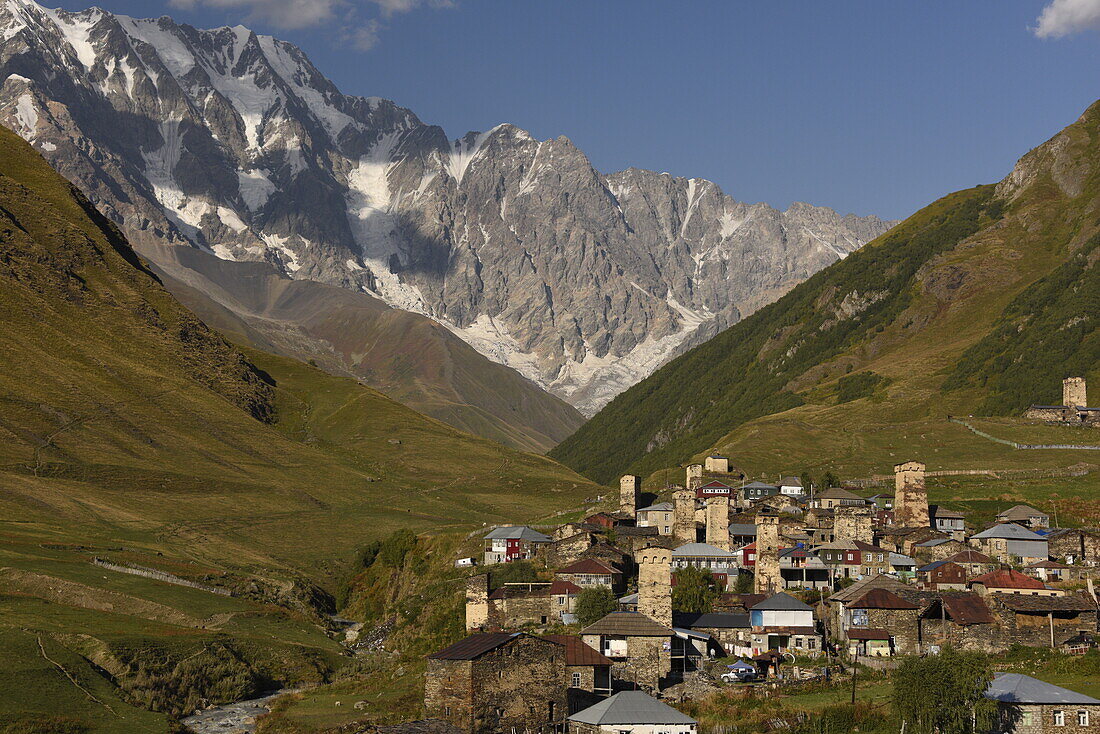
594, 603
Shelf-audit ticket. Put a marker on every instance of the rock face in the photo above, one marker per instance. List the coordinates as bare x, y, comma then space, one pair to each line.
234, 143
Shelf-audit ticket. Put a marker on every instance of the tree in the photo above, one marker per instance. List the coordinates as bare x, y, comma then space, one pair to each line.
695, 590
743, 585
807, 480
944, 693
829, 480
595, 603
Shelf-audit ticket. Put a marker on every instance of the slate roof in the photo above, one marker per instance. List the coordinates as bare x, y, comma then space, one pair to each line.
1008, 531
869, 634
838, 493
627, 624
882, 599
517, 532
760, 485
946, 514
711, 620
898, 559
578, 653
701, 550
588, 565
1007, 578
790, 482
861, 587
969, 556
1019, 688
630, 707
782, 602
474, 646
1021, 512
1031, 603
742, 528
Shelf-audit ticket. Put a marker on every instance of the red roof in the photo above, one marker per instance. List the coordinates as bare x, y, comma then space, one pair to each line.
872, 634
578, 653
587, 565
1006, 578
562, 587
969, 556
968, 609
882, 599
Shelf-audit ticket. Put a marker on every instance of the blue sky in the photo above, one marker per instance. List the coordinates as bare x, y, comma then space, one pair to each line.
868, 106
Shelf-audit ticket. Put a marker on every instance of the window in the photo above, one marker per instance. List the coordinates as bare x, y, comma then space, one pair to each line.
1059, 718
1025, 719
576, 680
1082, 718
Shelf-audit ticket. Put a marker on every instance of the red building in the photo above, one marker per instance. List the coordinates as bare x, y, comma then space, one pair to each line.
713, 489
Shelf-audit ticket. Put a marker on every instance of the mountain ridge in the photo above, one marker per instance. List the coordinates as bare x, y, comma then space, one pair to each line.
235, 142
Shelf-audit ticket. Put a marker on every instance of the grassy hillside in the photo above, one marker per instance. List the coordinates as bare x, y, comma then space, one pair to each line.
978, 303
131, 431
408, 357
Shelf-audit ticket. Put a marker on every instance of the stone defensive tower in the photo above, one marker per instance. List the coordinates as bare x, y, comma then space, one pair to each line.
910, 496
629, 488
694, 476
766, 577
853, 523
477, 602
655, 584
683, 516
1074, 393
717, 464
718, 522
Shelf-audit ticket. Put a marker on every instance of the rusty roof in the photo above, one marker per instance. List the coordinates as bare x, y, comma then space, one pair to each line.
578, 653
967, 609
869, 634
561, 587
588, 565
627, 624
969, 556
864, 585
1007, 578
882, 599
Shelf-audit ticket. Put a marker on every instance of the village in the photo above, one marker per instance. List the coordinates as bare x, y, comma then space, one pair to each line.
803, 581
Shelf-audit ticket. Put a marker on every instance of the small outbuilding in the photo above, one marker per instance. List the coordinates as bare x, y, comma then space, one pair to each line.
631, 712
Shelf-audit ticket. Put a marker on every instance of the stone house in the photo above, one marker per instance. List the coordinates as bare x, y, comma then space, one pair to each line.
973, 562
1009, 541
639, 538
1009, 581
659, 516
609, 520
1054, 571
588, 572
566, 550
1025, 515
938, 548
587, 672
1075, 545
802, 569
716, 464
854, 559
640, 649
834, 497
1027, 705
563, 600
947, 521
960, 619
512, 543
834, 615
942, 576
1042, 621
784, 624
521, 605
885, 624
631, 712
497, 681
906, 539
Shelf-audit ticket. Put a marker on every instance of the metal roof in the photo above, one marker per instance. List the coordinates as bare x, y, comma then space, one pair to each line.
711, 620
701, 549
1019, 688
1021, 512
659, 507
782, 601
517, 532
742, 528
589, 566
1008, 531
474, 646
868, 634
898, 559
882, 599
578, 653
627, 624
630, 707
1007, 578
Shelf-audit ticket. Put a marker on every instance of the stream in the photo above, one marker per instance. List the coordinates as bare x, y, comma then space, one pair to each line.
232, 718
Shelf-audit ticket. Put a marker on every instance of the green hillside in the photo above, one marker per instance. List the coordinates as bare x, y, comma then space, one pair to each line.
978, 303
130, 431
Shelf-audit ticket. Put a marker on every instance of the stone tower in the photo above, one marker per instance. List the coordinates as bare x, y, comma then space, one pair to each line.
477, 602
694, 476
717, 464
718, 522
629, 488
910, 496
683, 516
853, 523
1073, 392
766, 577
655, 584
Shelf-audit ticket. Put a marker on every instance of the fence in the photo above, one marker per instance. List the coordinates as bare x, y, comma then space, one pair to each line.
152, 573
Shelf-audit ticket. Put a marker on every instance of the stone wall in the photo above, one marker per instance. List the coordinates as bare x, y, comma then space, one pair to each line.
718, 522
766, 574
901, 624
477, 602
853, 523
1074, 392
630, 486
683, 517
655, 584
1041, 718
910, 496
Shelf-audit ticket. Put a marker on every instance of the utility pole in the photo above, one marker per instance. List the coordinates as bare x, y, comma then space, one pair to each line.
855, 660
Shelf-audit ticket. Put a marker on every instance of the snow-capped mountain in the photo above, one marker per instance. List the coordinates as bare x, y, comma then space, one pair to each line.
233, 142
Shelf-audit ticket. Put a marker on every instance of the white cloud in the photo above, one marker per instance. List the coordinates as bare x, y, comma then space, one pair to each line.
296, 14
1063, 17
